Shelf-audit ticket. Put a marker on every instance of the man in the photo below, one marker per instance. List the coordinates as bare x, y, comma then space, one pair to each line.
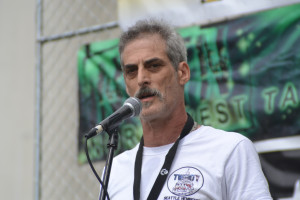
176, 159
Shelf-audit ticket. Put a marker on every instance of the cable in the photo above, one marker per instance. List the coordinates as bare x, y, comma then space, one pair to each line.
93, 169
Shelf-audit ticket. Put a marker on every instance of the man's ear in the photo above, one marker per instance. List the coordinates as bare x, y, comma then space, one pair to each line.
183, 73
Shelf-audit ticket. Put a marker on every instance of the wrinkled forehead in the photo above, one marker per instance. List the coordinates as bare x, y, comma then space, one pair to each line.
154, 38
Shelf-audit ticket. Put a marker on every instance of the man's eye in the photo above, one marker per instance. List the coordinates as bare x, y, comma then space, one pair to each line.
155, 66
130, 71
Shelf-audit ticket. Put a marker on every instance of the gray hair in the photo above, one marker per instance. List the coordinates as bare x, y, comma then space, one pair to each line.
175, 48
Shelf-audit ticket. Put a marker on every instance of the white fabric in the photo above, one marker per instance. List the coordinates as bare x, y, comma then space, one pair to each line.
209, 164
184, 13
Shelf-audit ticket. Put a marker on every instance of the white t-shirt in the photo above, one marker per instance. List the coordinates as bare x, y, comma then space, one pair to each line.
209, 164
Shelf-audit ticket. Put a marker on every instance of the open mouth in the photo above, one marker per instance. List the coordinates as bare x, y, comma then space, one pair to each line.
146, 93
145, 96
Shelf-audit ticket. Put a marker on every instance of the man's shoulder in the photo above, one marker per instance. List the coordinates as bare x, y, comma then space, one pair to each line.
216, 137
127, 155
210, 131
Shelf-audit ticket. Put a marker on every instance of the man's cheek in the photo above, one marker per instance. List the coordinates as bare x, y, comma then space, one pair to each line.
127, 90
130, 92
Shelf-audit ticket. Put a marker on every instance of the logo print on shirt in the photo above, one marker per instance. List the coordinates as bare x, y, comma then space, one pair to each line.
185, 181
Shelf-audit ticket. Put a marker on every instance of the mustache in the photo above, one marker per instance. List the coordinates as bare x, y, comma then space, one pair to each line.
146, 91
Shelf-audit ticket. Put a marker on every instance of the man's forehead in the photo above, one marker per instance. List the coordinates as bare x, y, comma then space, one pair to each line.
147, 41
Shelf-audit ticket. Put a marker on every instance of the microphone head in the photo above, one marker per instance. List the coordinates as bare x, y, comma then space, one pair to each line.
135, 104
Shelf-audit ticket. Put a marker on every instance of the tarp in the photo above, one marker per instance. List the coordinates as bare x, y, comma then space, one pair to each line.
245, 78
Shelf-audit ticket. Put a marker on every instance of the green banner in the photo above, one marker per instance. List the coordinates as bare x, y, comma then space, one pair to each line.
245, 78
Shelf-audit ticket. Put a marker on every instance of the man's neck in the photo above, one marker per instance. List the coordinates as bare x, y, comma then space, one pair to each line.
163, 131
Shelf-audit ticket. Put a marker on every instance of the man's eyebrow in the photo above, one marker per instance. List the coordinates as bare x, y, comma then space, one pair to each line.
147, 62
152, 60
129, 66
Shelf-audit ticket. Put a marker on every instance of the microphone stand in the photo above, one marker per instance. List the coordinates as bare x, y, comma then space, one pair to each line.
112, 146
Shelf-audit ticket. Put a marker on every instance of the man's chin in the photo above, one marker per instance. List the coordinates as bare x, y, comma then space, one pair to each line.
148, 113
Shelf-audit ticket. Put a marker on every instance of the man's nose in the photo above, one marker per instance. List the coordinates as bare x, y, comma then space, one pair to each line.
143, 77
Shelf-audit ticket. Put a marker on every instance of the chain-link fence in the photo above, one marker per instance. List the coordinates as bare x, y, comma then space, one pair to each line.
62, 28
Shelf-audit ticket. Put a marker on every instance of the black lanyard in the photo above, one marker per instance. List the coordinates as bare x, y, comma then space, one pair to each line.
163, 173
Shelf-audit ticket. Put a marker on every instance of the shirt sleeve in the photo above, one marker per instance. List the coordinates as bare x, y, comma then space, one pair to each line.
244, 178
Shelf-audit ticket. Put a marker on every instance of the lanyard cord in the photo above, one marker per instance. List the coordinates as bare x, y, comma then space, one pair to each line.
163, 173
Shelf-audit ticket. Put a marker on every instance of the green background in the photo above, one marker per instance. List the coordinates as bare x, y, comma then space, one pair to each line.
245, 78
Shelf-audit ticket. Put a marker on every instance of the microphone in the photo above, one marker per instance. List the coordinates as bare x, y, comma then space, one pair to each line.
131, 108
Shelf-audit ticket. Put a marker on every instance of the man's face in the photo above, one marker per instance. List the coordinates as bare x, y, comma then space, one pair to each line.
150, 76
